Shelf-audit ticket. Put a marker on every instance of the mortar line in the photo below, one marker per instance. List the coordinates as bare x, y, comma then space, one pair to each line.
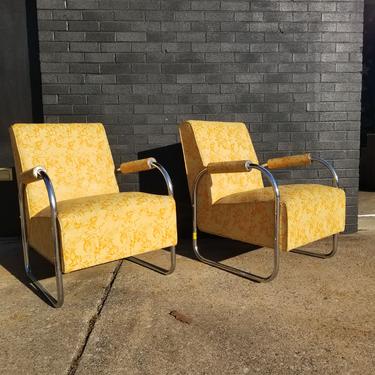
77, 358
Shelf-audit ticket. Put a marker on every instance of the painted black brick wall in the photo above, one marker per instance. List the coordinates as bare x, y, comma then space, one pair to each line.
290, 69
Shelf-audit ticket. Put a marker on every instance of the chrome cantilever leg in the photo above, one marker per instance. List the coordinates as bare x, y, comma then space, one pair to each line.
59, 300
236, 271
155, 267
172, 249
335, 238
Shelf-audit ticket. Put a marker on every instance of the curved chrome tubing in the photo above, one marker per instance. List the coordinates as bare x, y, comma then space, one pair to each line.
335, 237
172, 249
40, 173
276, 258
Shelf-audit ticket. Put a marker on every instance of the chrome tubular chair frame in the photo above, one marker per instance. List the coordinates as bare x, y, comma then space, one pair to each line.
335, 237
172, 249
40, 173
276, 260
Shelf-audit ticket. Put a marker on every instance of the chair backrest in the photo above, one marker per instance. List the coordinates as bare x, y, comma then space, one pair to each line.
77, 158
205, 142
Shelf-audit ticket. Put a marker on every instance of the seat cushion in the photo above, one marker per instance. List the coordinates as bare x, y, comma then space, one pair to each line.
309, 212
103, 228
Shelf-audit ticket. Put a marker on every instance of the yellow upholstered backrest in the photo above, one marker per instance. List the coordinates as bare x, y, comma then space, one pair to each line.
77, 158
206, 142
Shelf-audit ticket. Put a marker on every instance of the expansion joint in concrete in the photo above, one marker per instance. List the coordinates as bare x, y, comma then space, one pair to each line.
77, 358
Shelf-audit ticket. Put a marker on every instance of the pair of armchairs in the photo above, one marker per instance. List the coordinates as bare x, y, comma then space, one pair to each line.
73, 214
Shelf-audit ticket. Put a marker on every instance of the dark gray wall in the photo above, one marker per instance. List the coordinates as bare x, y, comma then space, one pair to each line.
21, 98
290, 69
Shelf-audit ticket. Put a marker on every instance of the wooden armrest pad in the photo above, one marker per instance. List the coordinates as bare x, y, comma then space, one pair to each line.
228, 166
136, 166
289, 161
31, 175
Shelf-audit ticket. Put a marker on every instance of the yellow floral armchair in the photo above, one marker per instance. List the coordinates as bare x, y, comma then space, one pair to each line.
72, 212
230, 200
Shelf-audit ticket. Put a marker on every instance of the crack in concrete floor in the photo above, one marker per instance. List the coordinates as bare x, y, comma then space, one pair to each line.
91, 325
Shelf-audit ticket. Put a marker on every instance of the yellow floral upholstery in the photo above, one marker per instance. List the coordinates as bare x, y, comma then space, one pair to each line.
237, 206
77, 158
308, 213
97, 223
102, 228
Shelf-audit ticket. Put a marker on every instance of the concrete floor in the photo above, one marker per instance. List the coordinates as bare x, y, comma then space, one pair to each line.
317, 317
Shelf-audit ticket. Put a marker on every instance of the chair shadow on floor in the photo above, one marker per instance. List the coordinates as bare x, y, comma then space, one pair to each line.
215, 248
11, 258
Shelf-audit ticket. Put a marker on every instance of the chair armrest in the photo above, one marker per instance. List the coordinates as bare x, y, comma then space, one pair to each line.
229, 166
289, 161
145, 165
27, 177
301, 161
136, 166
32, 175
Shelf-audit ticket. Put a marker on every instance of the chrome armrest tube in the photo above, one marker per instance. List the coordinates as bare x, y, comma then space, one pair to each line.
41, 174
155, 165
163, 271
276, 259
335, 178
165, 175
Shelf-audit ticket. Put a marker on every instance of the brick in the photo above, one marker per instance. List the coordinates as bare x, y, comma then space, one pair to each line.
130, 15
131, 78
82, 4
98, 15
205, 26
191, 37
84, 68
50, 4
249, 57
131, 36
144, 4
190, 78
65, 15
117, 47
100, 57
100, 37
115, 26
117, 68
72, 99
192, 99
113, 4
218, 16
234, 26
83, 26
277, 16
175, 26
221, 36
175, 4
249, 37
249, 77
189, 57
84, 47
205, 88
146, 68
278, 77
161, 37
176, 68
186, 16
248, 17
